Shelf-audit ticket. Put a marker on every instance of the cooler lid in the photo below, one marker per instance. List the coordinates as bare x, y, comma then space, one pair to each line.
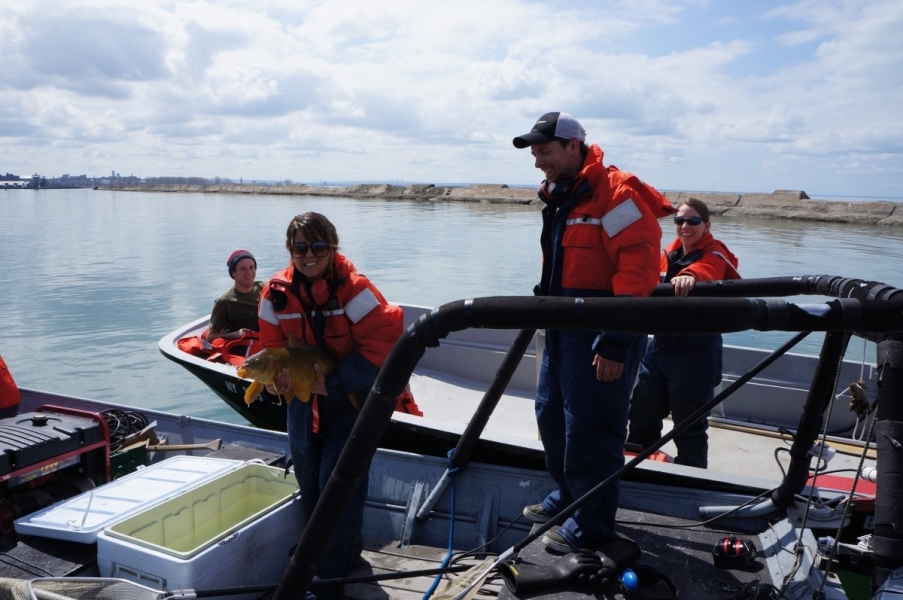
80, 518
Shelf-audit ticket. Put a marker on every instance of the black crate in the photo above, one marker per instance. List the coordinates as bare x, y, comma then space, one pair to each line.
34, 437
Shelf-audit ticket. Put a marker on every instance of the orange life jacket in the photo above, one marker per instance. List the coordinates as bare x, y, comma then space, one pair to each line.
405, 403
603, 239
219, 350
710, 260
356, 318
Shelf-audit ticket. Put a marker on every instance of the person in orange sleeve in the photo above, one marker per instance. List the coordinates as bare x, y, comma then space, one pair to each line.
320, 299
600, 238
679, 372
9, 393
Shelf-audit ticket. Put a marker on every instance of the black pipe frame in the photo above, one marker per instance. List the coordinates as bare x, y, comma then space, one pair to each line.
822, 390
863, 307
887, 541
468, 441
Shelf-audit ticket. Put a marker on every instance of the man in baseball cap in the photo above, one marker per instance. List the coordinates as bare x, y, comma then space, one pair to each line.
234, 313
600, 238
550, 126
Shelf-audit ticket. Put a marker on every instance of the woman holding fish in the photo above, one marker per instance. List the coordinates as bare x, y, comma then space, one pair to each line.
321, 300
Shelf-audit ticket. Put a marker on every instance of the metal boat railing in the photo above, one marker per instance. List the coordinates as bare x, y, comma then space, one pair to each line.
868, 309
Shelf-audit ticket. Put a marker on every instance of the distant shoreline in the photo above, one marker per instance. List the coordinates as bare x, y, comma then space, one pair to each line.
780, 204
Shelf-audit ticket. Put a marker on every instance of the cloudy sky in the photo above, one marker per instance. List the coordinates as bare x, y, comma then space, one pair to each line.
688, 94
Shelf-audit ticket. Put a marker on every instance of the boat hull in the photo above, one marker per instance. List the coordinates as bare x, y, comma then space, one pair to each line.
490, 498
404, 432
449, 381
266, 414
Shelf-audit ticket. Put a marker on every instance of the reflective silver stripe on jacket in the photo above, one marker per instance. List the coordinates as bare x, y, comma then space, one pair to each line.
583, 221
266, 312
355, 310
290, 316
359, 306
620, 217
729, 264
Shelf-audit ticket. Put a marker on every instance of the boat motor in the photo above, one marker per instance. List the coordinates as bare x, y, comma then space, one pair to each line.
46, 457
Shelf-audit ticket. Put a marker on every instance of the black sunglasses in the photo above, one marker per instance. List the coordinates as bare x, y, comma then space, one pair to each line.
694, 221
319, 249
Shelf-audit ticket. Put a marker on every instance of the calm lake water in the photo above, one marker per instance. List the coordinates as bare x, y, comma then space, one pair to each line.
92, 280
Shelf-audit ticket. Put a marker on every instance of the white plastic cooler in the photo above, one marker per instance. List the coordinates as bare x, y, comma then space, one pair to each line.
235, 530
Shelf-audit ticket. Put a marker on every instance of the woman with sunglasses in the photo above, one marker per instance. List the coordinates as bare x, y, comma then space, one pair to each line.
321, 300
679, 372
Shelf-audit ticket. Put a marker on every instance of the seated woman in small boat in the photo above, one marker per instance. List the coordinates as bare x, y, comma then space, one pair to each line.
321, 300
235, 312
679, 372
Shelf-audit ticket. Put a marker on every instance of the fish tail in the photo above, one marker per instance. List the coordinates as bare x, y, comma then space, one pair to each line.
253, 391
301, 390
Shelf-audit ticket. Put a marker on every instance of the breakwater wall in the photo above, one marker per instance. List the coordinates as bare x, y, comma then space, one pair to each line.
780, 204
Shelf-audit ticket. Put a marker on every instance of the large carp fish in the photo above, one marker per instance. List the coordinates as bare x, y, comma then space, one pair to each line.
266, 364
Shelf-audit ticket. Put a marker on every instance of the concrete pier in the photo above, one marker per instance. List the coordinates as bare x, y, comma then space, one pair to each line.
780, 204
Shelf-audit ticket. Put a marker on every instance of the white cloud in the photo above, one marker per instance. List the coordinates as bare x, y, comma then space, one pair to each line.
791, 97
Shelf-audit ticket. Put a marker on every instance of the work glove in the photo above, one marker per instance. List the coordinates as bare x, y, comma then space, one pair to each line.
569, 569
615, 554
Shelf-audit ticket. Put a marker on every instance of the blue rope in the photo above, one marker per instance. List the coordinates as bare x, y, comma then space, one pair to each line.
452, 471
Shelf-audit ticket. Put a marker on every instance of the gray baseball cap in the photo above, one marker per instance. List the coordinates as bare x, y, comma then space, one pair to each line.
550, 126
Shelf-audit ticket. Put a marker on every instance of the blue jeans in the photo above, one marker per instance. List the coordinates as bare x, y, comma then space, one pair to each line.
314, 456
678, 375
583, 424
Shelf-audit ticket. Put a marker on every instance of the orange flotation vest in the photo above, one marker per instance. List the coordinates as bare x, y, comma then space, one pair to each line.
405, 403
219, 350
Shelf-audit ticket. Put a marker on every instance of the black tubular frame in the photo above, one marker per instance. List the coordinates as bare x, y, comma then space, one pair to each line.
868, 309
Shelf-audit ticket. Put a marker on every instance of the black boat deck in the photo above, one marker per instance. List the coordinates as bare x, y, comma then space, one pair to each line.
683, 555
380, 557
